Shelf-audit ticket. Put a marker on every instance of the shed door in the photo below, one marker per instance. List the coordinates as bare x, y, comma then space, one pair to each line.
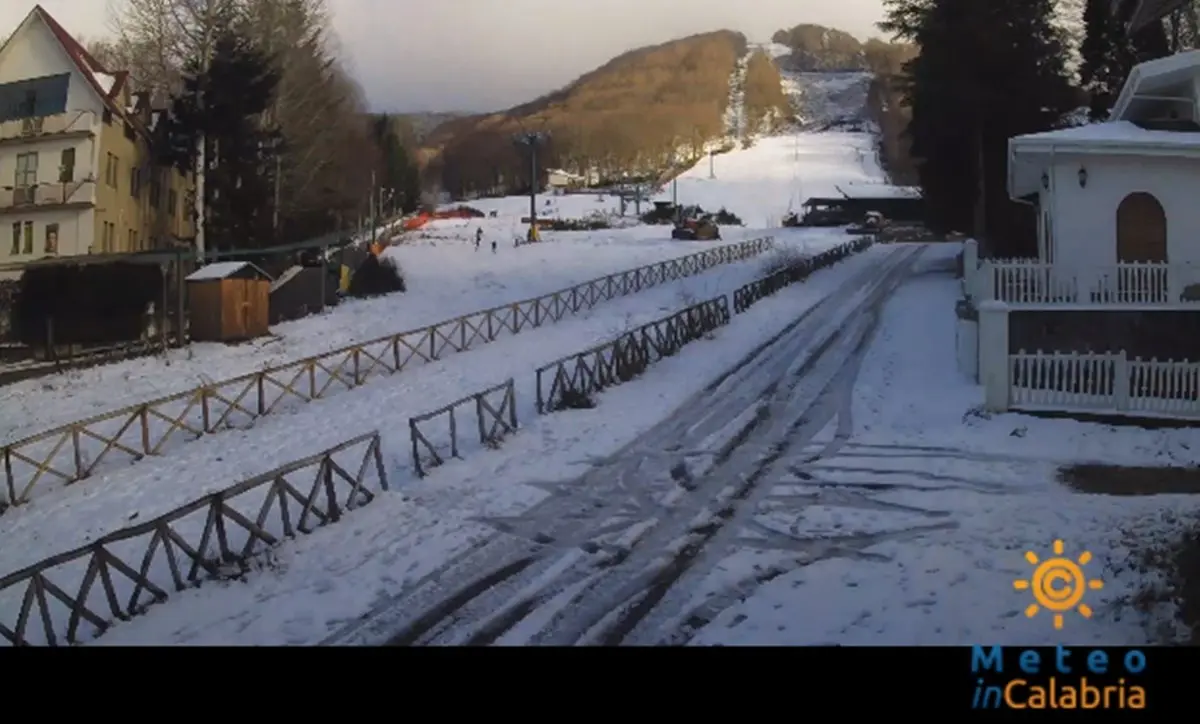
1141, 229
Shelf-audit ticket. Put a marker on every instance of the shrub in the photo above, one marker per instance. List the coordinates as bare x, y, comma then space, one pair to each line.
782, 259
375, 277
727, 218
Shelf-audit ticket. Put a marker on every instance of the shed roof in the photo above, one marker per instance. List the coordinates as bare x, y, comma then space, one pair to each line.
875, 191
225, 270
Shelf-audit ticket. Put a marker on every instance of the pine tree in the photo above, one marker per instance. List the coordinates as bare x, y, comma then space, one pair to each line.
1109, 53
987, 70
399, 171
224, 105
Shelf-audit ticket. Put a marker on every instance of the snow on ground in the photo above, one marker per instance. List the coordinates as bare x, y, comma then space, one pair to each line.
61, 518
997, 488
322, 581
762, 183
446, 278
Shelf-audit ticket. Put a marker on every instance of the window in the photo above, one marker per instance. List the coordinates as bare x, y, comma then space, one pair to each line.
135, 182
106, 237
27, 164
28, 238
51, 239
155, 193
66, 166
110, 171
16, 239
29, 107
171, 202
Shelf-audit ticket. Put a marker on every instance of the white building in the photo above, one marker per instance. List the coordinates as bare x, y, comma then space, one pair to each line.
1117, 200
1104, 320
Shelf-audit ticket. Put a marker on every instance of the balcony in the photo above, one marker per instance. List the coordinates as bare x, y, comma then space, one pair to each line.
1031, 283
72, 124
47, 197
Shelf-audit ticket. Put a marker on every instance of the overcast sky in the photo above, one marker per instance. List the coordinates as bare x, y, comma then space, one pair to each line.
478, 55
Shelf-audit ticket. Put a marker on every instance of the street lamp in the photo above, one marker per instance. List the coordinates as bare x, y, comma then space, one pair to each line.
532, 140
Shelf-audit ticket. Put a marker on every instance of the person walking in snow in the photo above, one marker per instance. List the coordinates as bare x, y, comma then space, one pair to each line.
478, 237
493, 246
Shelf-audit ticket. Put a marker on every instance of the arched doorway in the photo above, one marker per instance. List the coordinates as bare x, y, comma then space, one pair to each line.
1142, 237
1141, 229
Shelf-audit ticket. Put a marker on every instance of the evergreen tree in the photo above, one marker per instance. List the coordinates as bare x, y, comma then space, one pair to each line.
987, 70
399, 171
1109, 52
224, 105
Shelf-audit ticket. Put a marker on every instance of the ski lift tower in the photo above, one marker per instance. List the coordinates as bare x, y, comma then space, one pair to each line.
532, 139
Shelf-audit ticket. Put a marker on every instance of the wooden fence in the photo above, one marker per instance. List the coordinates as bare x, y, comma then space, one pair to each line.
495, 416
754, 292
74, 451
574, 378
58, 600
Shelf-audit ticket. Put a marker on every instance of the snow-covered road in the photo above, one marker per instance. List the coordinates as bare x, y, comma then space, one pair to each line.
636, 514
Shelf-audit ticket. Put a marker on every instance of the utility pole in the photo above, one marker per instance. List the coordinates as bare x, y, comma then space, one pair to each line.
532, 140
712, 173
372, 209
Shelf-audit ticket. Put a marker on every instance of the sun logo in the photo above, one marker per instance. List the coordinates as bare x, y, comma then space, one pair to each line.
1058, 584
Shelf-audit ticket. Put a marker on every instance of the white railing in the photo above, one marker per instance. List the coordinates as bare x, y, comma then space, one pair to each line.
1072, 382
32, 128
46, 195
1034, 283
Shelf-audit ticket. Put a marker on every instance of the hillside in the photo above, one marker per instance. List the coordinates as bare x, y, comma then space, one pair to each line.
816, 48
643, 111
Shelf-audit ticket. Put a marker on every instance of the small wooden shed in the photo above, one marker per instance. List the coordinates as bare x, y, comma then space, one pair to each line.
228, 301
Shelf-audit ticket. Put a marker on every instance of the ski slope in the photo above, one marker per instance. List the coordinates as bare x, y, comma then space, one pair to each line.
763, 183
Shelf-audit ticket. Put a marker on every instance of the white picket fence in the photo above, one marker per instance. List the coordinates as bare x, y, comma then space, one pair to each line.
1071, 382
1032, 282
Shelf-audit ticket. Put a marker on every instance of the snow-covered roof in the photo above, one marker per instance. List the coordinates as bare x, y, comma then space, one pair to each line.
878, 191
222, 270
1111, 136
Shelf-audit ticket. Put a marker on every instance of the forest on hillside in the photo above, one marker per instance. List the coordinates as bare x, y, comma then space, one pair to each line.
767, 107
642, 112
290, 149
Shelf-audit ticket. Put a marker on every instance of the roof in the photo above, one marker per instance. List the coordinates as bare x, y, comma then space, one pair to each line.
107, 84
1111, 136
877, 191
1156, 76
223, 270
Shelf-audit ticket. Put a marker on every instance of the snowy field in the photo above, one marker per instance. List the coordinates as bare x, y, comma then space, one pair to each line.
446, 278
930, 457
321, 581
60, 518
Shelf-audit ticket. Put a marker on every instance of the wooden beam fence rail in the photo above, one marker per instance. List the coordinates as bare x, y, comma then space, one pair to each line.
495, 419
57, 600
572, 380
750, 294
73, 452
